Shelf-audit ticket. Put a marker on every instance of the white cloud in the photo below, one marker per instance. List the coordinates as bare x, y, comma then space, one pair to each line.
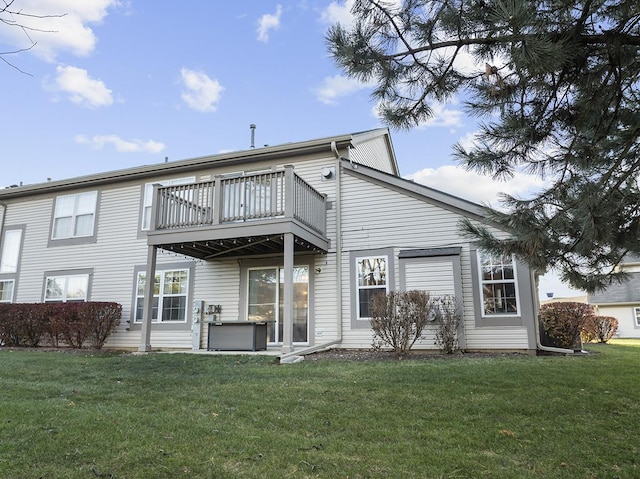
443, 116
338, 12
336, 87
121, 145
269, 22
474, 187
468, 141
201, 92
551, 286
81, 88
63, 26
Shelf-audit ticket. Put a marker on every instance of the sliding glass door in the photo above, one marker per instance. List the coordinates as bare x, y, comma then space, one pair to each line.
266, 300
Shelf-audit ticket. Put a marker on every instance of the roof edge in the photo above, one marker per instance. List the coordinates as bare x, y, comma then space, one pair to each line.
447, 200
285, 150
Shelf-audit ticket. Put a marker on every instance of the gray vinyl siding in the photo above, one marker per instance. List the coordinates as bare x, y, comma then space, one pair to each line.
112, 263
324, 323
373, 153
375, 216
217, 283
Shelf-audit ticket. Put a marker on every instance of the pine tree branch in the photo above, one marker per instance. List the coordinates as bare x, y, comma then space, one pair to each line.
585, 40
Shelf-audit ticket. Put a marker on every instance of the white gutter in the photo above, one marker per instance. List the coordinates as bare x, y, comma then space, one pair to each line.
3, 211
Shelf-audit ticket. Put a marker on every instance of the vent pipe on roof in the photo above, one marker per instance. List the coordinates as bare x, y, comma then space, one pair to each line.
252, 127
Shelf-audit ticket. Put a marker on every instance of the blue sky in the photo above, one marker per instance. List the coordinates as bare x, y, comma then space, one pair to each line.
117, 84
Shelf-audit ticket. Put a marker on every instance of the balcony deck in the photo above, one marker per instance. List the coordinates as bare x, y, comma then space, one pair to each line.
238, 215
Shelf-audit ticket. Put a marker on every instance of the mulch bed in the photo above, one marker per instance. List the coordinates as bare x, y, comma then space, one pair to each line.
374, 355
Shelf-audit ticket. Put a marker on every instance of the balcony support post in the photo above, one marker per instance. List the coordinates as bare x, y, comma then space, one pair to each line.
218, 200
147, 315
290, 188
287, 333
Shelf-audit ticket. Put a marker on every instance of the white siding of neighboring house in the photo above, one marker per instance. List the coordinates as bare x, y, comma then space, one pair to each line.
375, 216
625, 315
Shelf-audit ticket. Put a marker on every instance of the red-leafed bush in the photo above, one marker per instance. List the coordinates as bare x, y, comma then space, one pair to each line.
10, 330
28, 324
73, 324
103, 319
562, 323
599, 328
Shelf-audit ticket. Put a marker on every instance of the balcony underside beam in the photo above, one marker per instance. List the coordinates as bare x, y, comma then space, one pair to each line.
225, 241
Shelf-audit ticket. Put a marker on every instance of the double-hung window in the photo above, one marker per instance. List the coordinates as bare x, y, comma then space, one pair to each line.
10, 251
66, 288
170, 290
147, 202
74, 215
636, 317
6, 290
9, 260
499, 287
371, 279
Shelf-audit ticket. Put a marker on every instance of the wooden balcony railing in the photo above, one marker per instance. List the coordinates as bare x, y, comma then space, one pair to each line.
275, 194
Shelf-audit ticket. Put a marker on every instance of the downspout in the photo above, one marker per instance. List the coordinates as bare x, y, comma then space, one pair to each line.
3, 210
334, 149
298, 355
536, 322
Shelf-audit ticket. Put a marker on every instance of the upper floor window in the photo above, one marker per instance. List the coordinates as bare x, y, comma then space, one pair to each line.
498, 285
147, 201
6, 290
74, 215
10, 251
371, 279
67, 288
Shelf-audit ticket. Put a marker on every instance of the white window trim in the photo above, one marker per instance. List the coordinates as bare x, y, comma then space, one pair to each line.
161, 296
636, 314
65, 292
358, 287
74, 215
10, 258
482, 282
147, 196
279, 271
13, 290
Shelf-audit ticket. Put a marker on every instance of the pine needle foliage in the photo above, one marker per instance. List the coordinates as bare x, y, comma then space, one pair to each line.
556, 86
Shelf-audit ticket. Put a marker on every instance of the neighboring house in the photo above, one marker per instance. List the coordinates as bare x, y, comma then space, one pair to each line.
299, 235
622, 300
566, 299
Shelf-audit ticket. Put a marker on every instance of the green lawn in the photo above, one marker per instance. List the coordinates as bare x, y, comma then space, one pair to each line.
182, 415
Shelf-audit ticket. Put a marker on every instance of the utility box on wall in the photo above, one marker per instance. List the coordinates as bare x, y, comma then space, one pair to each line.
237, 336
